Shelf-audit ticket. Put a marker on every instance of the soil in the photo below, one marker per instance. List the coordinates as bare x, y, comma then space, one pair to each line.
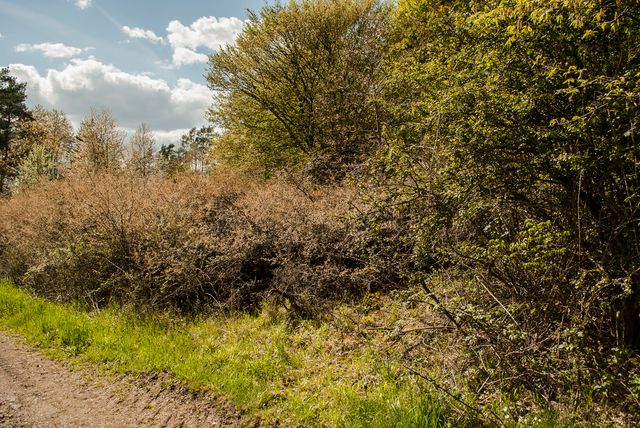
37, 392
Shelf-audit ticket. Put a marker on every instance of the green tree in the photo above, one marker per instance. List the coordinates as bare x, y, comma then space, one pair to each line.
36, 165
299, 86
13, 97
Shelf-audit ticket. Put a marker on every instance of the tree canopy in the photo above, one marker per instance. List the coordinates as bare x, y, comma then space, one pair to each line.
299, 86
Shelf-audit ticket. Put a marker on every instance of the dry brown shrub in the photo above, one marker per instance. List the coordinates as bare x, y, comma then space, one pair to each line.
197, 241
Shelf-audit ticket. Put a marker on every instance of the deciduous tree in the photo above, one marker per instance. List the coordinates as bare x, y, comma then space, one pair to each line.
196, 145
299, 86
142, 146
100, 142
43, 145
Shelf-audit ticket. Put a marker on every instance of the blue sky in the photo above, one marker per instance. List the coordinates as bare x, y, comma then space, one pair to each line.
143, 60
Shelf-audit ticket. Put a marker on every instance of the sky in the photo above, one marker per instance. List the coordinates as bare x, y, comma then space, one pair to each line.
144, 60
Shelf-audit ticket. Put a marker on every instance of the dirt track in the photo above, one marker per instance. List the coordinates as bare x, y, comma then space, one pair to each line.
36, 392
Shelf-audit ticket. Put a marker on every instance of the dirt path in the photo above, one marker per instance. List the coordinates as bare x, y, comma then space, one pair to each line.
36, 392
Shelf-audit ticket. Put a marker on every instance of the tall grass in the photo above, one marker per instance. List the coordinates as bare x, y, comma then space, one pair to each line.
293, 377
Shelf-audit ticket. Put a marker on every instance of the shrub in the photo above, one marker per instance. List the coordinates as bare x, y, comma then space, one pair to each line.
512, 165
189, 243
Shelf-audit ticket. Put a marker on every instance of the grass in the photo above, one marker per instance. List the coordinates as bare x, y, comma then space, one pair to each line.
302, 376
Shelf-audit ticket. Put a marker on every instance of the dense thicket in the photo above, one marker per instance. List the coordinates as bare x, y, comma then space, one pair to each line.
513, 157
192, 243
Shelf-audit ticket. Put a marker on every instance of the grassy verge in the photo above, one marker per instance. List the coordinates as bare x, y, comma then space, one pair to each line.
295, 376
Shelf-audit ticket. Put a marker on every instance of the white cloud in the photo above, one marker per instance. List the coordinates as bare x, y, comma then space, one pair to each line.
187, 93
139, 33
51, 50
83, 4
161, 137
39, 91
167, 137
206, 32
185, 56
132, 98
1, 36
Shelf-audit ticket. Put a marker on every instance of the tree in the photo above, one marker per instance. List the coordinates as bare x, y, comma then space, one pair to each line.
43, 145
100, 143
50, 129
195, 145
142, 150
13, 97
171, 160
299, 86
36, 165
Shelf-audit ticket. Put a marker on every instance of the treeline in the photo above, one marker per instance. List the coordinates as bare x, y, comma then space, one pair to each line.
38, 144
490, 157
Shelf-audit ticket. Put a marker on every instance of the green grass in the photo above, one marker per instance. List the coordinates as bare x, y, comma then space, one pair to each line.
301, 376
